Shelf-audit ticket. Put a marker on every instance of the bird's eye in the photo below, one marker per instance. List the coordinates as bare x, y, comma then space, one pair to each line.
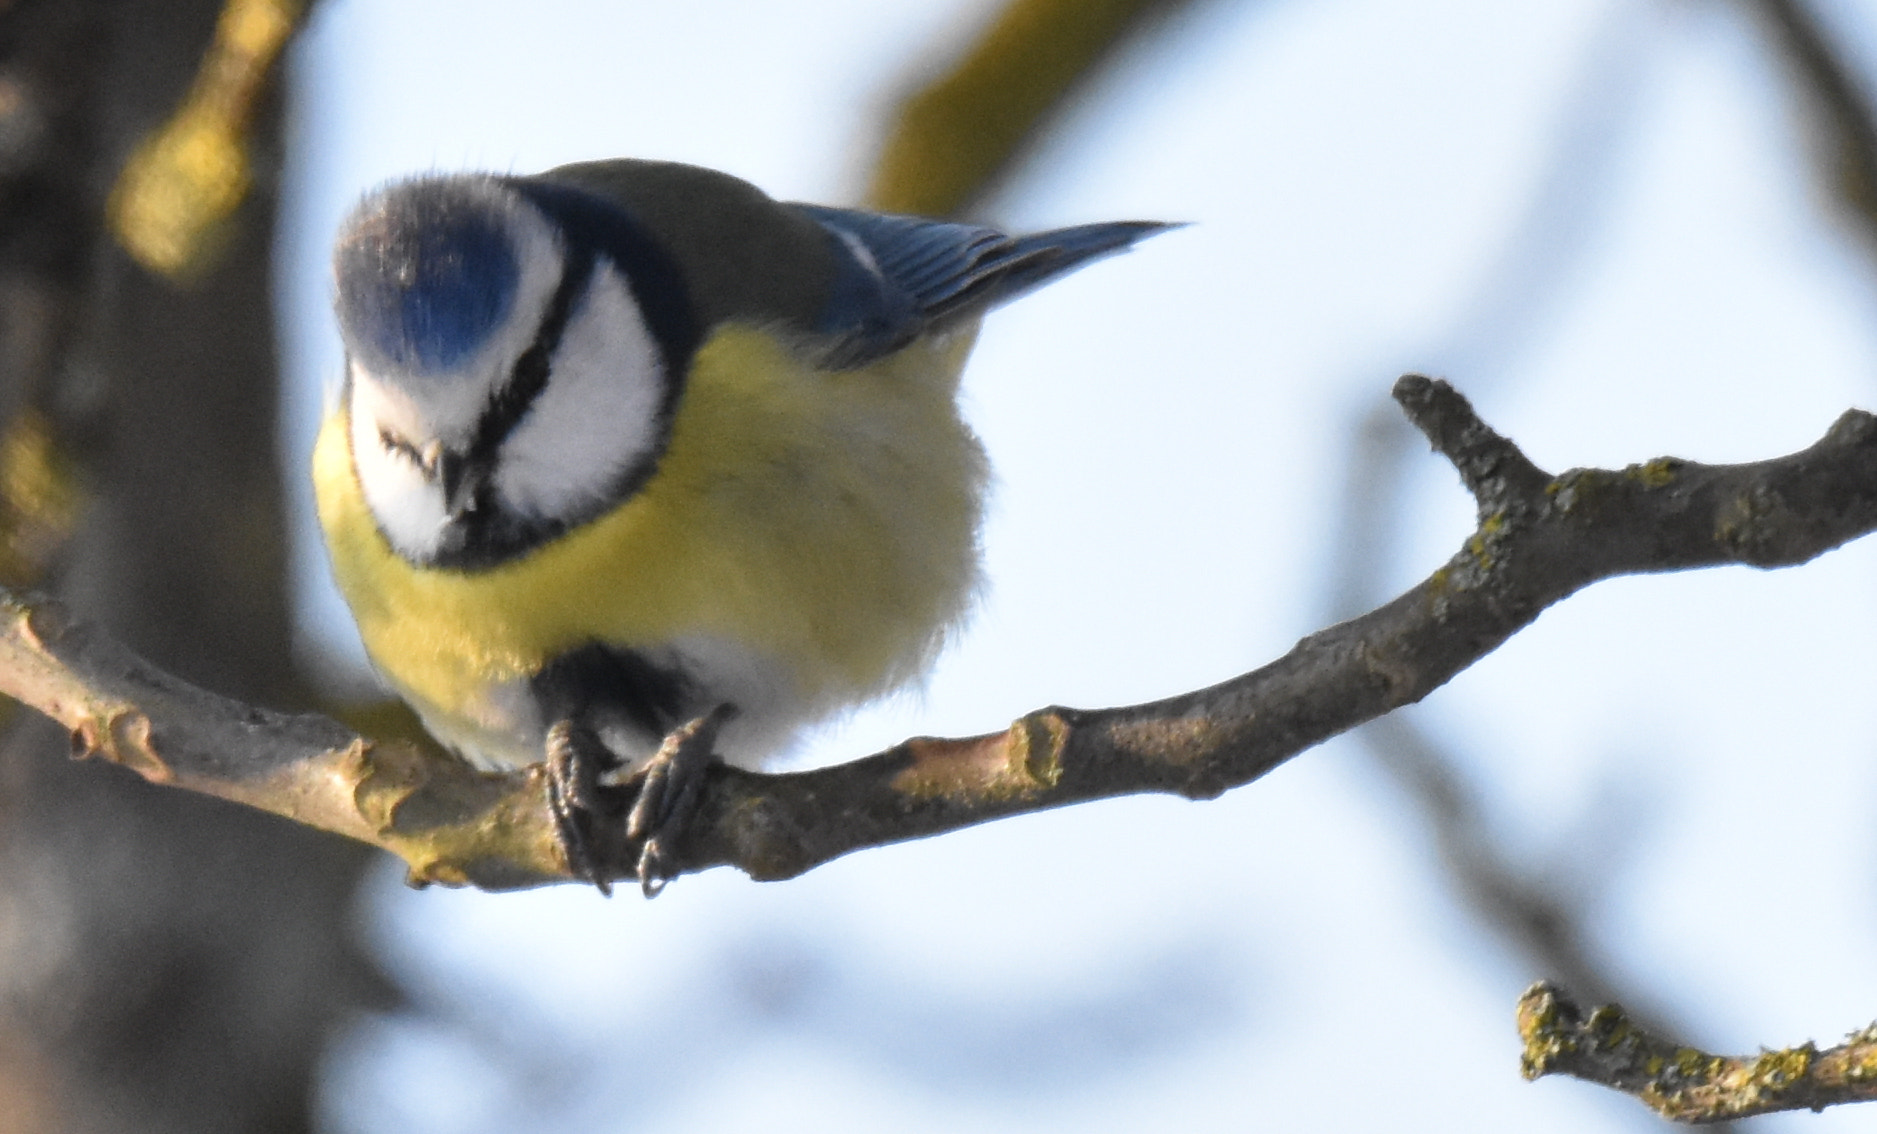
398, 446
427, 459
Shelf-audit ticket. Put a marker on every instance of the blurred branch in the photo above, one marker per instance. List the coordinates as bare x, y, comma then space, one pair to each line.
1540, 538
954, 139
1682, 1083
1539, 917
172, 964
1845, 117
1524, 905
1540, 910
176, 193
40, 499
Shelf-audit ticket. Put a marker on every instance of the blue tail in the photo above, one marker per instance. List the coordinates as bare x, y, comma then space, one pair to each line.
1039, 258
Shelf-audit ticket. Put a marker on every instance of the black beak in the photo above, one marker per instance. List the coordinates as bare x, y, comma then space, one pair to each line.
461, 481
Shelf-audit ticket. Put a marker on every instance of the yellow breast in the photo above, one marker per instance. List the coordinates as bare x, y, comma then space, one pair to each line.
824, 521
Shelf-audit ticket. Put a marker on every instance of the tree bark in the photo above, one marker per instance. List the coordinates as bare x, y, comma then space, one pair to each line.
171, 963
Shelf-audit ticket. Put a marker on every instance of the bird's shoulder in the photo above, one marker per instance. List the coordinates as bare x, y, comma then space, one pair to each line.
743, 255
847, 285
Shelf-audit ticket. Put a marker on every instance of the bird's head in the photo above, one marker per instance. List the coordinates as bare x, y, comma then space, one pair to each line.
503, 381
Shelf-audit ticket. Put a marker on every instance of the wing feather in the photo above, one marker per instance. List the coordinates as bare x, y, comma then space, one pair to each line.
904, 276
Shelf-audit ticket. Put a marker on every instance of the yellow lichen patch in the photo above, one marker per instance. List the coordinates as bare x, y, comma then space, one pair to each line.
378, 783
1543, 1049
1576, 488
1693, 1065
485, 830
426, 872
1482, 558
1481, 543
1744, 520
1545, 1042
1777, 1070
1609, 1026
1861, 1067
1658, 473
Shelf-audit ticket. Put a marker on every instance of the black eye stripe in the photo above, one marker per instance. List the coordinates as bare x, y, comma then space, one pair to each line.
595, 233
395, 444
528, 378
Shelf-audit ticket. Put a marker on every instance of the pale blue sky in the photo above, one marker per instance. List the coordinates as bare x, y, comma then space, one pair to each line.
1169, 431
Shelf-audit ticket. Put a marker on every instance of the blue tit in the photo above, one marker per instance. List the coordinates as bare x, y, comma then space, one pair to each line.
628, 445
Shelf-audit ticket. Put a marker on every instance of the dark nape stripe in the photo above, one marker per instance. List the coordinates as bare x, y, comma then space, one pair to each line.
515, 397
590, 221
591, 229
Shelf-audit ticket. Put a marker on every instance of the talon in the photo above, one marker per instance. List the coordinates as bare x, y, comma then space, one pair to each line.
574, 797
668, 795
652, 875
586, 805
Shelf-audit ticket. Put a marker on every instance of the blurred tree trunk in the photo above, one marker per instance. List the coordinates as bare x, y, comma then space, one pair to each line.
167, 962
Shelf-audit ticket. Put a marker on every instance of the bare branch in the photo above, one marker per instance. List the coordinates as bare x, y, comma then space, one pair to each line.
173, 201
1843, 118
1682, 1083
1539, 539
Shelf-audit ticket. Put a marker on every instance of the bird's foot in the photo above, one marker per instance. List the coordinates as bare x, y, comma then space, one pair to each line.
649, 810
669, 788
584, 809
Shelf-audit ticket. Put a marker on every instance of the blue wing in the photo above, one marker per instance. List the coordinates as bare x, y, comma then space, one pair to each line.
901, 276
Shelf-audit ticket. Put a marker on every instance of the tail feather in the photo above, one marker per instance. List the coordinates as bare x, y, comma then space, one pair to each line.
1036, 259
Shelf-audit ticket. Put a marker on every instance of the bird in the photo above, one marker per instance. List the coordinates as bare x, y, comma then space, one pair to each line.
634, 468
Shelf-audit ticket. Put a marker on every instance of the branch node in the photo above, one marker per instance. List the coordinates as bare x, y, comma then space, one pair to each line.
1037, 744
129, 733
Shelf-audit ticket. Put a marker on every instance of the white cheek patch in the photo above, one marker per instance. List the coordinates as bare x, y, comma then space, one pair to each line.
409, 508
598, 415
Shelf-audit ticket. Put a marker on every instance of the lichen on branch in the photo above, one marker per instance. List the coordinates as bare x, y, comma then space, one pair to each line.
1683, 1083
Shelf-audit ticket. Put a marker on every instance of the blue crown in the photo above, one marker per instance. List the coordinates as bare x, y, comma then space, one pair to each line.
425, 273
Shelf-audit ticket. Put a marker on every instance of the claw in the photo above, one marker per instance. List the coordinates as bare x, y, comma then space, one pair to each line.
573, 797
668, 789
668, 795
